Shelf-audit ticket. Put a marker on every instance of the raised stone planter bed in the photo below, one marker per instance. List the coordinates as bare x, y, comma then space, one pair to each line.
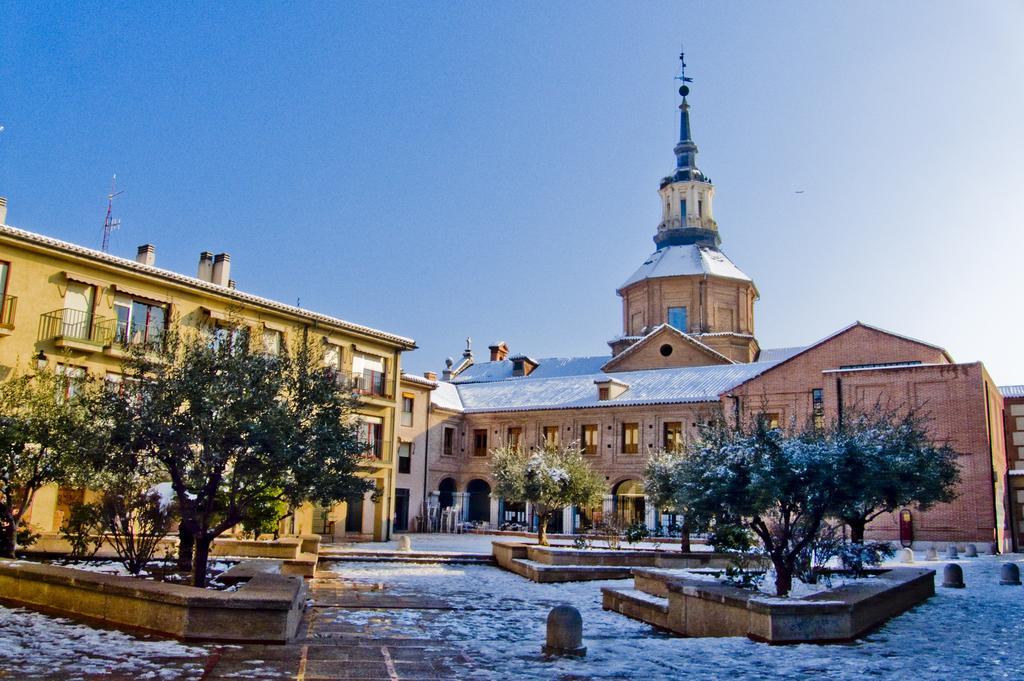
568, 564
266, 609
693, 607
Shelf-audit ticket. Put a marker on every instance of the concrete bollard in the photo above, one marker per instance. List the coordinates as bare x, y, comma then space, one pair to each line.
907, 555
953, 576
565, 632
404, 543
971, 551
931, 554
951, 552
1009, 575
993, 549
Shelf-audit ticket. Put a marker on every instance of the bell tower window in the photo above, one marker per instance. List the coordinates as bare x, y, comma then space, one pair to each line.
682, 209
677, 318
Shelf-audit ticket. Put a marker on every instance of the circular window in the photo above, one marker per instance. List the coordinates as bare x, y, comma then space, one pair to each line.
666, 350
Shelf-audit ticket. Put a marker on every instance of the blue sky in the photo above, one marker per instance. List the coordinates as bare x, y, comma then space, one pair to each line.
490, 170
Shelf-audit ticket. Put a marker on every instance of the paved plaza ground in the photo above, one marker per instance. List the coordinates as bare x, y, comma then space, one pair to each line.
375, 620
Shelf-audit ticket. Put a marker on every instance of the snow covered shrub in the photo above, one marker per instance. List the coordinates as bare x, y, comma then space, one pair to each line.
550, 479
636, 532
135, 517
858, 558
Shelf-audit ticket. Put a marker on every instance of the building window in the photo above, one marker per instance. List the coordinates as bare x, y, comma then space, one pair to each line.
603, 393
682, 211
672, 436
700, 207
550, 436
71, 381
332, 357
770, 419
369, 375
449, 441
677, 318
407, 404
272, 341
229, 335
480, 442
630, 438
405, 457
818, 408
589, 435
7, 303
372, 432
514, 438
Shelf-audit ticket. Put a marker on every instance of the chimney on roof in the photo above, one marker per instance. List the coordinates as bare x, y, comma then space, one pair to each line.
146, 255
221, 269
3, 210
205, 271
430, 375
499, 351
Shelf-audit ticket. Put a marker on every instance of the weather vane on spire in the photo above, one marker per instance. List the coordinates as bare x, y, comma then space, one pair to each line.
683, 89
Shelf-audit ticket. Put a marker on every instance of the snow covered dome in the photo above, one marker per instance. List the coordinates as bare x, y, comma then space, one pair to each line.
686, 259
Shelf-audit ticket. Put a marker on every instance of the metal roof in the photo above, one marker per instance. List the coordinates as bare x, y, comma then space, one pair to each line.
779, 354
687, 259
1012, 390
651, 386
547, 367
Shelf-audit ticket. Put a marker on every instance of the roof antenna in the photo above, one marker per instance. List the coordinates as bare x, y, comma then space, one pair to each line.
110, 223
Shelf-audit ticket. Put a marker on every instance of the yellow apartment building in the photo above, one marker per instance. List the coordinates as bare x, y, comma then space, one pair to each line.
76, 309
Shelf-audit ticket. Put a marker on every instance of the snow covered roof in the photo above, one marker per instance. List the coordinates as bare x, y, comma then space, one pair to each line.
664, 329
420, 380
651, 386
689, 259
446, 396
547, 367
1012, 390
779, 354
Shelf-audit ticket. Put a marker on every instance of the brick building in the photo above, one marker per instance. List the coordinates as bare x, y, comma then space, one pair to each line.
688, 351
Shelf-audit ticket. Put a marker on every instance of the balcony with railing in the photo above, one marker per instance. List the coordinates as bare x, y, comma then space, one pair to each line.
120, 335
74, 329
371, 383
377, 453
10, 306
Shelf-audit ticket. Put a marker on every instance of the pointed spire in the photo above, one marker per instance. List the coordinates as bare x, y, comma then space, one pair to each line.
685, 149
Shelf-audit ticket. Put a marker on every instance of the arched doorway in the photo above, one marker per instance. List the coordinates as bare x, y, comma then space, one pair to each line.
629, 501
446, 493
479, 501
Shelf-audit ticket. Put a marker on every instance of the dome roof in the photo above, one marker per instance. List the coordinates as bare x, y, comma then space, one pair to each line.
689, 259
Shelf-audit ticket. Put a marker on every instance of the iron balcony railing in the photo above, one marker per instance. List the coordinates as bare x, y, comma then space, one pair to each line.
10, 306
125, 334
378, 451
373, 383
76, 325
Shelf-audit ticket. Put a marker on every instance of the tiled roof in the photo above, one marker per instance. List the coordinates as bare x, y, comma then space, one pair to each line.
547, 367
690, 259
652, 386
1012, 390
74, 249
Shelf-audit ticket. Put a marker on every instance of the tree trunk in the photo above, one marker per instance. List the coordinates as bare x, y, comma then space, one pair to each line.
783, 577
202, 556
856, 530
186, 545
542, 530
8, 538
684, 536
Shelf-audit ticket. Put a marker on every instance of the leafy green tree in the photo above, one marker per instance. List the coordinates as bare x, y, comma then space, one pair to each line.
236, 430
550, 479
887, 461
46, 429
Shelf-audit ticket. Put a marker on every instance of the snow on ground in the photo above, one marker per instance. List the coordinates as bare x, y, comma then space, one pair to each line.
481, 543
499, 621
34, 646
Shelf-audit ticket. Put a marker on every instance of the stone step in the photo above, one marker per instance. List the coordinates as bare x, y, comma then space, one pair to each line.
410, 557
636, 604
545, 573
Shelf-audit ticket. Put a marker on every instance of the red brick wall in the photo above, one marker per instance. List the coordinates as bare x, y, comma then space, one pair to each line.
953, 395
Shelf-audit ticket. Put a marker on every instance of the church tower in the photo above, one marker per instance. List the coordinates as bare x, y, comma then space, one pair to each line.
688, 283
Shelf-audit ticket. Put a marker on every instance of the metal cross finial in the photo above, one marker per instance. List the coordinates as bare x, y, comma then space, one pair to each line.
682, 68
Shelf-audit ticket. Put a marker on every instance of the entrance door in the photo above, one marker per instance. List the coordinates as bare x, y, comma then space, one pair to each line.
401, 510
354, 517
479, 501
